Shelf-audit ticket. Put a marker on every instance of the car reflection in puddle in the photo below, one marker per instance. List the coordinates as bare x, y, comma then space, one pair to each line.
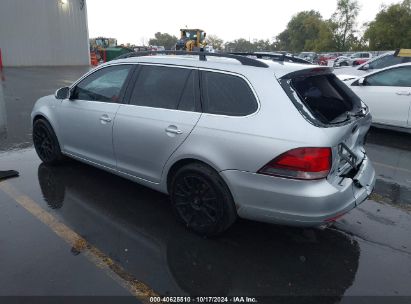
135, 226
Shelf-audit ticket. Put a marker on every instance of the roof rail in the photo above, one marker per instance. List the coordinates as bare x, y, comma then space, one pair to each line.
202, 56
273, 56
260, 55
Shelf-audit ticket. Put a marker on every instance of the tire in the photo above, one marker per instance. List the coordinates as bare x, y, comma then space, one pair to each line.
46, 143
343, 63
201, 200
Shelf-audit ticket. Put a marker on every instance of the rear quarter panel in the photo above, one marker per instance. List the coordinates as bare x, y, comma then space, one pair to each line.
247, 143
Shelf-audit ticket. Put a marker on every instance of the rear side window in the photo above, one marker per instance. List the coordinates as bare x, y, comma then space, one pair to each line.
325, 96
227, 95
165, 87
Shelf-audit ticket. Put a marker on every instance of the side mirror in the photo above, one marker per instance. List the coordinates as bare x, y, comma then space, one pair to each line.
365, 67
361, 81
62, 93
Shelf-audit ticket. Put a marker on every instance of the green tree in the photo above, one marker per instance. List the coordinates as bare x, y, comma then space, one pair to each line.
215, 41
282, 41
324, 41
343, 24
244, 45
163, 39
304, 32
391, 28
240, 45
262, 45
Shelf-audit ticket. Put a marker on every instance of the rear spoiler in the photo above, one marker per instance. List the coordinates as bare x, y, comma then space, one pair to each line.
402, 53
309, 72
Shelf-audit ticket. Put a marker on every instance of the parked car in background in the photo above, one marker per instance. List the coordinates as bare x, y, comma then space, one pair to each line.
209, 49
141, 48
341, 61
387, 93
360, 58
271, 141
376, 63
156, 48
326, 58
309, 56
354, 59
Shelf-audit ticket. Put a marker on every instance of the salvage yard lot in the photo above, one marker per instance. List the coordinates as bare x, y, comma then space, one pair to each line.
76, 230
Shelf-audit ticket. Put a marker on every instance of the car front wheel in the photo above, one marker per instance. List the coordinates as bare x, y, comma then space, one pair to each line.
201, 200
46, 143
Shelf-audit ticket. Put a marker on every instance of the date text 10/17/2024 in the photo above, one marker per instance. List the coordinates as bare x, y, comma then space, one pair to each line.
203, 300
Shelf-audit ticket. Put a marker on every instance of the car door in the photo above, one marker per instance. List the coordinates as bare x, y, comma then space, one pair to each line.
388, 94
163, 109
86, 119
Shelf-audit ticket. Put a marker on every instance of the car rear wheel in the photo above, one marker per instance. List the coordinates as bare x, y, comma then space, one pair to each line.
46, 143
201, 200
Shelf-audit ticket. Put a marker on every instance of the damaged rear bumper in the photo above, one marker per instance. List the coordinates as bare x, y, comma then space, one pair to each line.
295, 202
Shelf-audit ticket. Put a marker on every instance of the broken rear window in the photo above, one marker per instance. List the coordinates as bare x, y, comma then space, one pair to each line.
327, 98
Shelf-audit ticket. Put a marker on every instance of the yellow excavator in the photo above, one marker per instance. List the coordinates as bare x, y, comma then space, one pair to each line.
191, 40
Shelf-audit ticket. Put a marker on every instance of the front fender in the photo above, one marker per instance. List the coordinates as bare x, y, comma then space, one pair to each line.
47, 108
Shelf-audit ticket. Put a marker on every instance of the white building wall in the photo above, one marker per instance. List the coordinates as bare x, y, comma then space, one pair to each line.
3, 118
44, 32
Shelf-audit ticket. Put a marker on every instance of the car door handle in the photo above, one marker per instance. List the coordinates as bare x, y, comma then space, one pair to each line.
403, 93
105, 118
174, 130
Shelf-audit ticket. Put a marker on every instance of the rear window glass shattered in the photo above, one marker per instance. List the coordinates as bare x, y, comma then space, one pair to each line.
327, 98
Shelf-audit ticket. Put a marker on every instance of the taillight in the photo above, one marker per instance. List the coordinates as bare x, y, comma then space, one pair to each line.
300, 163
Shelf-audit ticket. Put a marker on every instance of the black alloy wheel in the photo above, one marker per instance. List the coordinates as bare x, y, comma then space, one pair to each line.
46, 143
201, 200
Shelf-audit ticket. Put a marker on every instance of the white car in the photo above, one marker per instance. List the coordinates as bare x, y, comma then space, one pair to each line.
387, 93
376, 63
209, 49
341, 61
353, 60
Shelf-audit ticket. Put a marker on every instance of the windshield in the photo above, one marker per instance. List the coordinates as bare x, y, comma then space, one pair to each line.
191, 35
386, 61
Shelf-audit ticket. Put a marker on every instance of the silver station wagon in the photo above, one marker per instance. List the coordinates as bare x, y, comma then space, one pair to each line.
224, 135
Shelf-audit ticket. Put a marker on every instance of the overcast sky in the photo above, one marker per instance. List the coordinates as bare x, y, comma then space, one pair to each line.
136, 21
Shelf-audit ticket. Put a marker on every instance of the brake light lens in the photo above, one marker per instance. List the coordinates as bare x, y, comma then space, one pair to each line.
300, 163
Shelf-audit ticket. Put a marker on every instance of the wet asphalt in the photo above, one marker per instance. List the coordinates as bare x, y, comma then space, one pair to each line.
365, 254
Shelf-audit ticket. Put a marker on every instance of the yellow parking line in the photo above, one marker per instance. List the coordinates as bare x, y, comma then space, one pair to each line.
93, 254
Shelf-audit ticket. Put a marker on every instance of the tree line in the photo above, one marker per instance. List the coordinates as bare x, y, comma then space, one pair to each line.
309, 31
